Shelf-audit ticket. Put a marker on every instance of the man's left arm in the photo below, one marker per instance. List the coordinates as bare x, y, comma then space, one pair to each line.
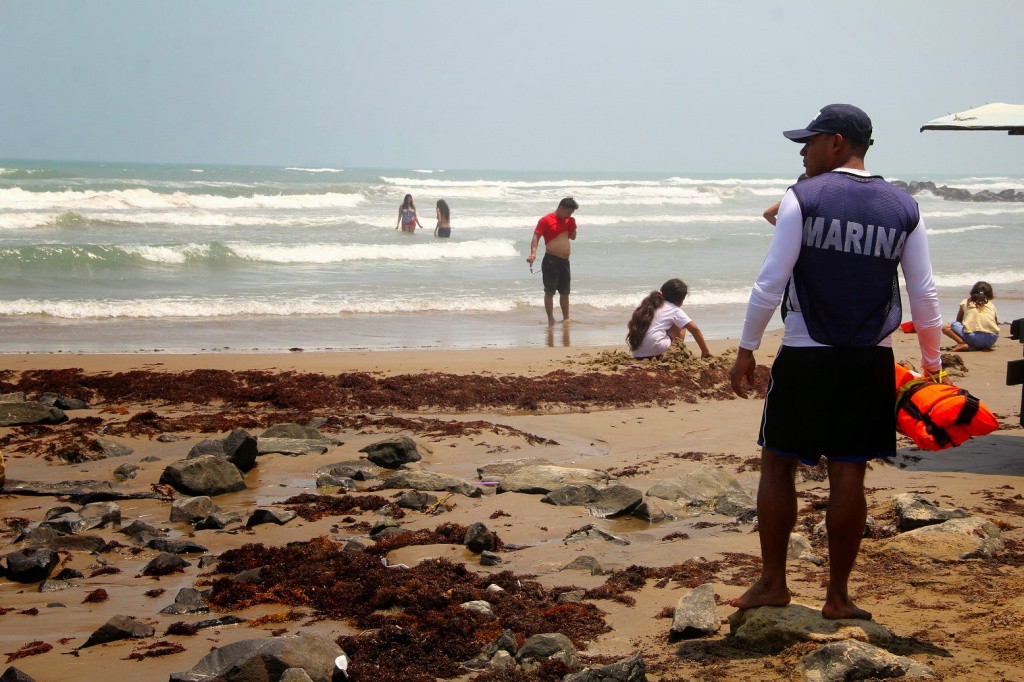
924, 297
572, 230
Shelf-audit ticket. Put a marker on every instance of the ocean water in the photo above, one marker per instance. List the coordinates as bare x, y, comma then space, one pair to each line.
118, 257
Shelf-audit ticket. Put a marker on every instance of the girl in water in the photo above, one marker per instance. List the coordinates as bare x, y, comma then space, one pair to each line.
977, 321
659, 321
444, 220
407, 219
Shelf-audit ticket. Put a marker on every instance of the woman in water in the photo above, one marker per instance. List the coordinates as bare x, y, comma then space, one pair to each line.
444, 220
658, 321
407, 219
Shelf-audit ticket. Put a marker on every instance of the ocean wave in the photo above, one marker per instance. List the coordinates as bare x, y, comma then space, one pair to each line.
26, 220
341, 253
969, 228
974, 210
427, 171
967, 279
315, 170
19, 199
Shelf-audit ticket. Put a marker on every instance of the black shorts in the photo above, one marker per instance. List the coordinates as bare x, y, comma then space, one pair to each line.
833, 402
555, 272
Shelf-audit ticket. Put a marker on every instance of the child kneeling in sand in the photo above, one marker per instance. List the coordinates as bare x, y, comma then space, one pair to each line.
977, 321
659, 321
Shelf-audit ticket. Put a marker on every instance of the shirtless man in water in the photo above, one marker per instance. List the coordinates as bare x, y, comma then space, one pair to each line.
557, 229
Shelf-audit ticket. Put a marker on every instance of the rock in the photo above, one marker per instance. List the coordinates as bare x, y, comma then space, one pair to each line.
771, 628
68, 523
502, 660
119, 627
217, 622
15, 397
539, 479
40, 536
167, 438
15, 414
571, 597
592, 532
12, 674
506, 643
630, 669
614, 500
180, 546
489, 558
295, 675
332, 481
653, 511
429, 480
165, 564
100, 515
383, 527
150, 458
125, 472
392, 453
354, 546
570, 496
952, 540
497, 470
549, 645
800, 548
478, 539
52, 585
192, 509
208, 560
79, 492
77, 543
141, 532
584, 563
68, 574
205, 475
293, 431
478, 606
62, 402
218, 520
188, 600
112, 448
852, 660
696, 615
238, 447
700, 488
266, 658
261, 516
31, 565
737, 503
357, 470
914, 511
293, 447
59, 510
416, 500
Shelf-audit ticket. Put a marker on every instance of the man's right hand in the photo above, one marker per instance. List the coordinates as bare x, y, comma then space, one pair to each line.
743, 367
532, 257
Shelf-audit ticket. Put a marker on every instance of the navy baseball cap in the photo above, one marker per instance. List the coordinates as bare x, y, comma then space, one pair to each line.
843, 119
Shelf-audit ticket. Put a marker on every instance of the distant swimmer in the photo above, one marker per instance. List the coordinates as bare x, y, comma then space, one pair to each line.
659, 321
977, 321
444, 220
557, 229
407, 218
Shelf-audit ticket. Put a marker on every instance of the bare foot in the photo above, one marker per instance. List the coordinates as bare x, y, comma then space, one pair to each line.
960, 348
760, 595
839, 610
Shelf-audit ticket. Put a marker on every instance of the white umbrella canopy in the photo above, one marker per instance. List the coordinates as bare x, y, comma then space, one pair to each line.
999, 116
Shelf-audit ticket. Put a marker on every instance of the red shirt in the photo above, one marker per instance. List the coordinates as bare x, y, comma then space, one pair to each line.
550, 227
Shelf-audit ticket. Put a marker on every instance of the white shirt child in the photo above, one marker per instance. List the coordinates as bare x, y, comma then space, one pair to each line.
656, 340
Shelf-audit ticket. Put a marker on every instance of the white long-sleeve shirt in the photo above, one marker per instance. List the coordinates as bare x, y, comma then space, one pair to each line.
777, 270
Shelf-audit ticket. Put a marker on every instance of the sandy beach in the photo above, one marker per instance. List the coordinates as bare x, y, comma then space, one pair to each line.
638, 425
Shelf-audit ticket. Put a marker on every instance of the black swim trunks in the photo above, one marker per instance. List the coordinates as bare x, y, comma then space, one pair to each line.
556, 274
833, 402
444, 232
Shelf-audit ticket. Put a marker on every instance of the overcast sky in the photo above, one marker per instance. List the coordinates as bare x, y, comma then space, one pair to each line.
593, 85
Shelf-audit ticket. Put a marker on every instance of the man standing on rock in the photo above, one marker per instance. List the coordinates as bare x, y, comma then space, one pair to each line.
832, 264
557, 229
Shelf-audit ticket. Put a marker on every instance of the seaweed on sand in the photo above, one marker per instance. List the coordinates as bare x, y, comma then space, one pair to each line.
314, 507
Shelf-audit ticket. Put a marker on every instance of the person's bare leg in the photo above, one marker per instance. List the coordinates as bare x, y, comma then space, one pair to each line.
844, 520
563, 301
948, 331
549, 308
776, 516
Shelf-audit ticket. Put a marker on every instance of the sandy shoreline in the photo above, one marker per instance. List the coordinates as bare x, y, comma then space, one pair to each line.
963, 618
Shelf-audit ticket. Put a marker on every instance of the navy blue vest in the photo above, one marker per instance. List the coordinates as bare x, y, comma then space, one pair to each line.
855, 228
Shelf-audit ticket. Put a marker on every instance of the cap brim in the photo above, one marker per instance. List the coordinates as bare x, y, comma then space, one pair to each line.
801, 135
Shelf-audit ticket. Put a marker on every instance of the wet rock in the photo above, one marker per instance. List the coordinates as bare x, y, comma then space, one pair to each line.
192, 509
489, 558
771, 628
478, 539
478, 606
59, 510
165, 564
218, 520
266, 658
332, 481
238, 447
261, 516
700, 488
914, 511
292, 447
68, 574
952, 540
571, 597
696, 615
76, 543
737, 503
570, 496
430, 480
125, 472
416, 500
632, 669
614, 500
141, 532
167, 438
653, 511
52, 585
357, 470
68, 523
384, 527
546, 646
15, 397
205, 475
539, 479
392, 453
39, 536
15, 414
852, 660
295, 675
217, 622
79, 492
12, 674
292, 430
208, 560
496, 470
117, 628
180, 546
57, 400
101, 515
188, 600
31, 565
584, 563
592, 532
112, 448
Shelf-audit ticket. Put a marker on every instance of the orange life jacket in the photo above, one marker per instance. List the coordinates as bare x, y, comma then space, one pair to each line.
938, 416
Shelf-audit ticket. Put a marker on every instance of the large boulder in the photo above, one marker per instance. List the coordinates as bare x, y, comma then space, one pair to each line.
913, 511
538, 479
614, 500
702, 487
773, 628
540, 648
15, 414
392, 453
31, 565
952, 540
205, 475
238, 447
853, 660
266, 658
630, 669
432, 481
696, 615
